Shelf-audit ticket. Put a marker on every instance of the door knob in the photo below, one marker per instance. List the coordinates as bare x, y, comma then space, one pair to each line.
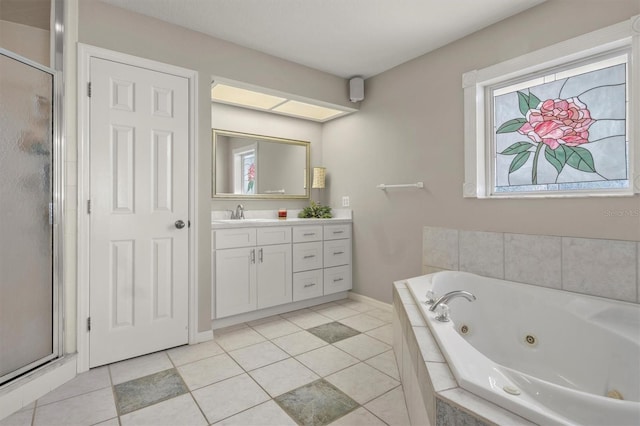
179, 224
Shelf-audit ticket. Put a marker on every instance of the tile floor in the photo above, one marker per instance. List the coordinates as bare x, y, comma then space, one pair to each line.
330, 364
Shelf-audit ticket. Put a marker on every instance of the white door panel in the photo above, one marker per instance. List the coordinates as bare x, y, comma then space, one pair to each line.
139, 190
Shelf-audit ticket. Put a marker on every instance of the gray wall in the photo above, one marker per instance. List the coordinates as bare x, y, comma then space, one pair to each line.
410, 128
113, 28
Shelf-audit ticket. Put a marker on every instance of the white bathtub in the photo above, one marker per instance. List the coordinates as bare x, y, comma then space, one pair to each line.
584, 348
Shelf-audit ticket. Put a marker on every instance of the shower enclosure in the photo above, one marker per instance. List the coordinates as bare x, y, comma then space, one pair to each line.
29, 207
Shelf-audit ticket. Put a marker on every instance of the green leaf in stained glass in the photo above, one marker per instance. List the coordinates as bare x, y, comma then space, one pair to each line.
579, 158
533, 101
511, 125
523, 103
517, 148
519, 161
557, 157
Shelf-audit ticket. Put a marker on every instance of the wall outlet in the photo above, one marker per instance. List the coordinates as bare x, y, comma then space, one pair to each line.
345, 201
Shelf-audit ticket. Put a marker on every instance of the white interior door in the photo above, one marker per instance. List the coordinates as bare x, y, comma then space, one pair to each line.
139, 189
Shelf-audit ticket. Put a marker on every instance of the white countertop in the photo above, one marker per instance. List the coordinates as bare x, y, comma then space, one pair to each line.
262, 218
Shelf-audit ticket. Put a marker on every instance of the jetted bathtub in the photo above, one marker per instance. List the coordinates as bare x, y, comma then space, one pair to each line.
548, 355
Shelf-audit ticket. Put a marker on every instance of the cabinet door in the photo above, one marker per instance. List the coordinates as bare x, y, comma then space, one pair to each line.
274, 275
235, 281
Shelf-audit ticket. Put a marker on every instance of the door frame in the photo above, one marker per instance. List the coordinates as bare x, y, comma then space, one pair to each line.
85, 53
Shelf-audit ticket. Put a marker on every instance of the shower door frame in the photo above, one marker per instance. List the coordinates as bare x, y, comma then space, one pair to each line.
57, 218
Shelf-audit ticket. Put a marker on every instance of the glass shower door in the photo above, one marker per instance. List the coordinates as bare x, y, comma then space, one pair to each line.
27, 305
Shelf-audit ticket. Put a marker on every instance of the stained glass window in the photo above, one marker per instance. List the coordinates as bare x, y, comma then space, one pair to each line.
562, 130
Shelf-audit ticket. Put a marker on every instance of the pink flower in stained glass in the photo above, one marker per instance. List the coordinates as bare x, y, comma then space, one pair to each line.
558, 122
251, 173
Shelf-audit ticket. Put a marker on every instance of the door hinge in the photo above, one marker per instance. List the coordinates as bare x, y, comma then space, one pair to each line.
88, 323
88, 206
89, 89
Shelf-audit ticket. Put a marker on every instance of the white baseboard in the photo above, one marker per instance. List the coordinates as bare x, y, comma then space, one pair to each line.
24, 390
370, 300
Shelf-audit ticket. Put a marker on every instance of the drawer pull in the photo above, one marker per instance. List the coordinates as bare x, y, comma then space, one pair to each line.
309, 256
338, 232
335, 280
309, 234
335, 253
309, 285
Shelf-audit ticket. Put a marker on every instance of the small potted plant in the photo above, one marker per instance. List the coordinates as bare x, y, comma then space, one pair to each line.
316, 210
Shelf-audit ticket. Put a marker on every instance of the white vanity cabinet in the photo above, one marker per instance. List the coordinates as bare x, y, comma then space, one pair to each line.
252, 269
268, 267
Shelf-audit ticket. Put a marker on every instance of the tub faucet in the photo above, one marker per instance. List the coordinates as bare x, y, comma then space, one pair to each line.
452, 294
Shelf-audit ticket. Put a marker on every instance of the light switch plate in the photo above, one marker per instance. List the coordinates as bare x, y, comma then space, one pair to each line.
345, 201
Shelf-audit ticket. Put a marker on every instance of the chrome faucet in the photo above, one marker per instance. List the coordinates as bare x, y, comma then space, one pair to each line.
452, 294
239, 213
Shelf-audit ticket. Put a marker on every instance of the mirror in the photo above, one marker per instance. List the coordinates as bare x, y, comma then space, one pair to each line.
254, 166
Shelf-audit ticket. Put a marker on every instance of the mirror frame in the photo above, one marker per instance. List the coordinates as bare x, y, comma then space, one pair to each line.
306, 144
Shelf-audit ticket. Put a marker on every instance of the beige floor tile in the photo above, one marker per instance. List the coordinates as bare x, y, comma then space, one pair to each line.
327, 360
362, 322
229, 397
94, 379
266, 414
134, 368
86, 409
385, 362
362, 346
381, 314
308, 319
300, 342
189, 353
359, 417
276, 328
238, 338
258, 355
21, 418
181, 410
337, 312
356, 305
110, 422
384, 334
362, 382
390, 407
209, 370
283, 376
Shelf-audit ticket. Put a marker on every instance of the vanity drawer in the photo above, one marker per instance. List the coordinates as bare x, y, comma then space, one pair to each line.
303, 234
337, 279
274, 235
307, 284
307, 256
335, 232
234, 238
337, 252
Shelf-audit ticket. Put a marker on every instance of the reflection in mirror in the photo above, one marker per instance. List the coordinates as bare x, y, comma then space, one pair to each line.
254, 166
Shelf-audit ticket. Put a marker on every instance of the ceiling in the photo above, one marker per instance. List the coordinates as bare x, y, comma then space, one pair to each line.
342, 37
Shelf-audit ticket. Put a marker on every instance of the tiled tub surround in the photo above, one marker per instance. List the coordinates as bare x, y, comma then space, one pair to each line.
431, 391
604, 268
562, 352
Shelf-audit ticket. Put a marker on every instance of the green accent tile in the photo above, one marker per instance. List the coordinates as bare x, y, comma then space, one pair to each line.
316, 404
139, 393
333, 332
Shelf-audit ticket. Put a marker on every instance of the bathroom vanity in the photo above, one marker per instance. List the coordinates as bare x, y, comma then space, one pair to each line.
263, 266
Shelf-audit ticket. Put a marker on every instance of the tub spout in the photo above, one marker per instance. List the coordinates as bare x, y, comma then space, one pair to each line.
452, 294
